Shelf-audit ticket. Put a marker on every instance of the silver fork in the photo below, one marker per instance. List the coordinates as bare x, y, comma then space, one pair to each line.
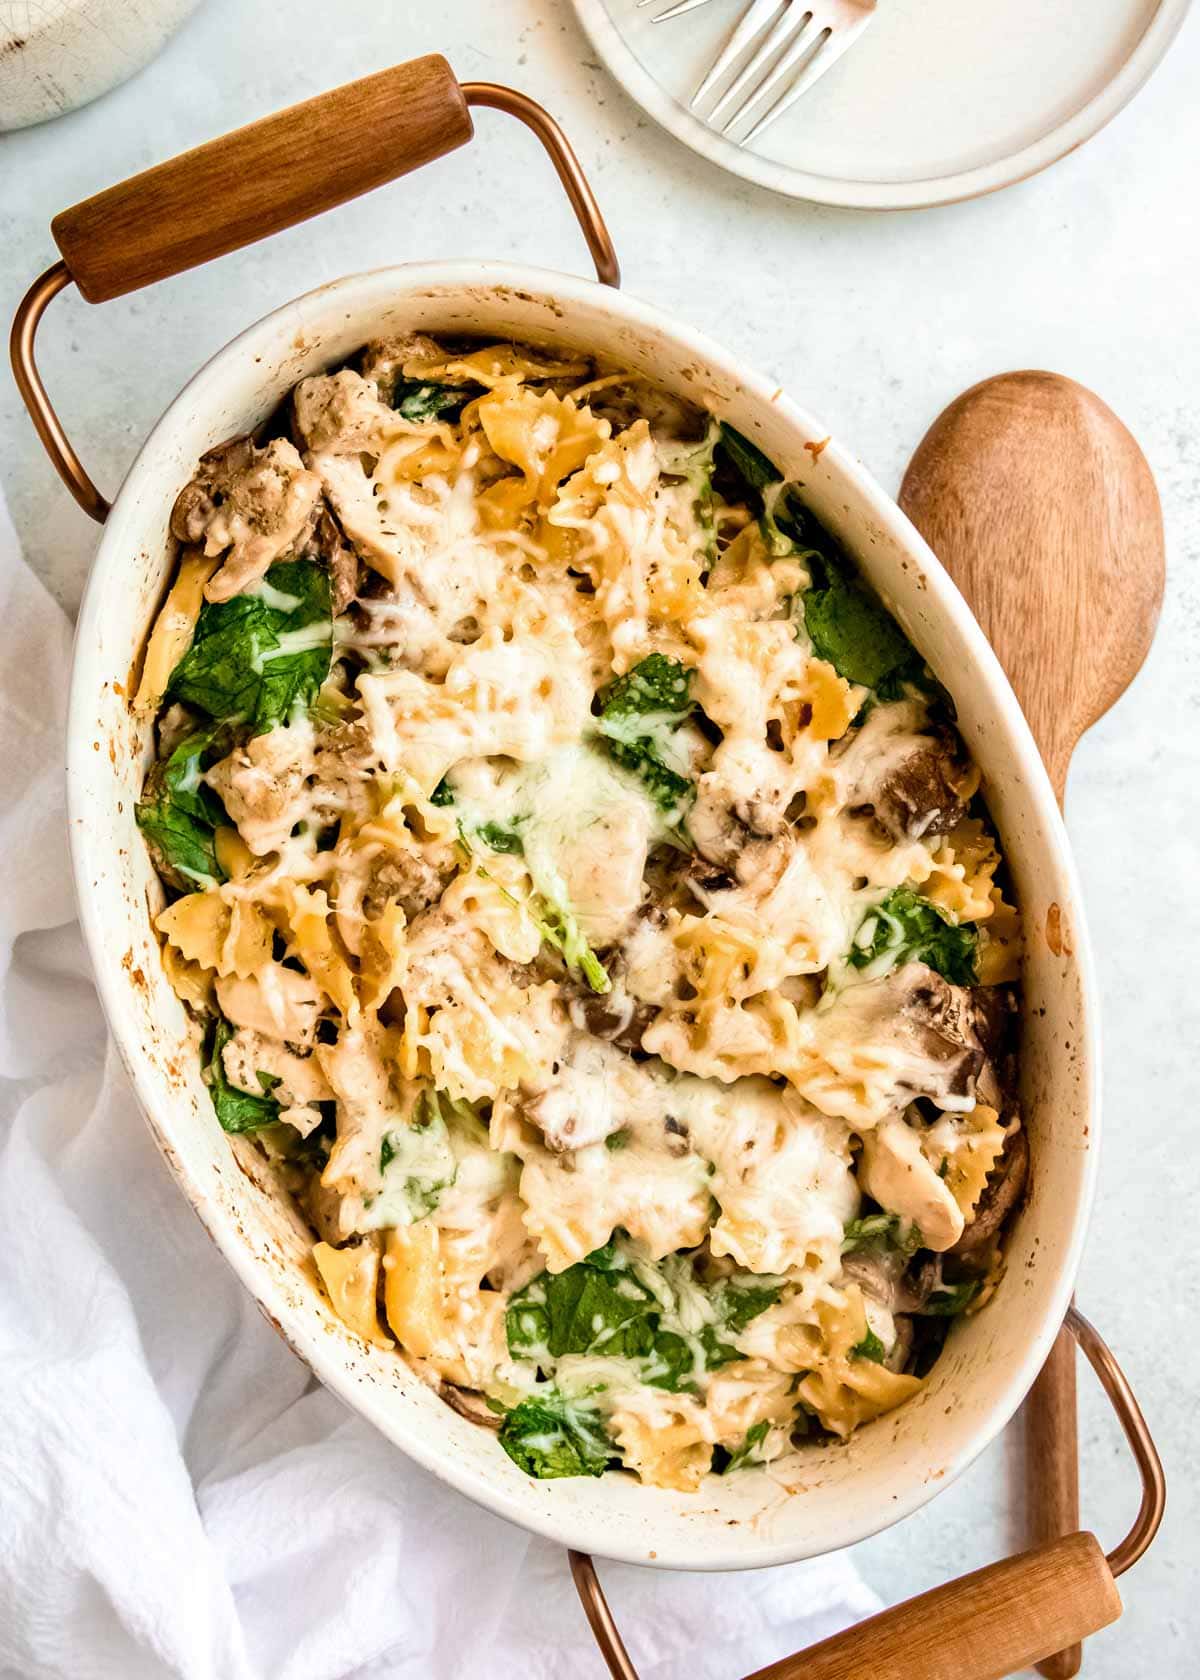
790, 42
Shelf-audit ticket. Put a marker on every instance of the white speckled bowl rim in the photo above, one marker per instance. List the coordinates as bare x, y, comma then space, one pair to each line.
831, 1497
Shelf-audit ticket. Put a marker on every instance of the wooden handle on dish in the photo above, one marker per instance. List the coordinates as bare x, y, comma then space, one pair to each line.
263, 178
981, 1627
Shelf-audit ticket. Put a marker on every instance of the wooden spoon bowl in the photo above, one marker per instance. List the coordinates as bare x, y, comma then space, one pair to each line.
1044, 511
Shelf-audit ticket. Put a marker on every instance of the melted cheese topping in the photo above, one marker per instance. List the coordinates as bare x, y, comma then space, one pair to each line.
528, 1003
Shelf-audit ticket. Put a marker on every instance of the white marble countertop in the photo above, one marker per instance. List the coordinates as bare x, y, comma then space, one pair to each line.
874, 322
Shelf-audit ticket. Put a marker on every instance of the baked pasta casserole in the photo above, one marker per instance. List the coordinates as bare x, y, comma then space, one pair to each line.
584, 899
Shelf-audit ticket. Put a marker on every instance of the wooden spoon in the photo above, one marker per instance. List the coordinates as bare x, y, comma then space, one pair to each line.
1044, 511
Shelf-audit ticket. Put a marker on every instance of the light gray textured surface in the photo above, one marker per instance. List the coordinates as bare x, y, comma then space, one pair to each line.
874, 322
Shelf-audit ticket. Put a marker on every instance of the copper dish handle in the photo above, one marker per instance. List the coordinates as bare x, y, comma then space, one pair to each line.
984, 1625
258, 181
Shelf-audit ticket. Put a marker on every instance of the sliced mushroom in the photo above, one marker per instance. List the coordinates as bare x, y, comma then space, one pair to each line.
912, 775
929, 791
341, 560
878, 1273
1001, 1194
259, 504
721, 828
993, 1014
614, 1016
469, 1405
919, 1025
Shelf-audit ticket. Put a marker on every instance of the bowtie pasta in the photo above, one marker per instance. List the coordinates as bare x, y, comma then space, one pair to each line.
585, 901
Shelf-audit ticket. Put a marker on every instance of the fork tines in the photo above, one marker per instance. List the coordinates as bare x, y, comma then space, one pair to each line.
789, 43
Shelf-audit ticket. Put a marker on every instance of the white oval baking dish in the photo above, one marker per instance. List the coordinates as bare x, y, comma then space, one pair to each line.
892, 1466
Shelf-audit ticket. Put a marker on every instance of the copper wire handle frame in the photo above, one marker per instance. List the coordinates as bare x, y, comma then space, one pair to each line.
55, 441
1122, 1557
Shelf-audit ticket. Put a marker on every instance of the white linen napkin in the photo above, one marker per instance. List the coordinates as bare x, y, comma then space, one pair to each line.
178, 1496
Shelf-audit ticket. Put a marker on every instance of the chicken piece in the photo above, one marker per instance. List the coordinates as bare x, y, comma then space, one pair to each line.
259, 504
263, 785
584, 1104
278, 1002
299, 1083
894, 1171
404, 878
1001, 1194
914, 777
341, 414
383, 360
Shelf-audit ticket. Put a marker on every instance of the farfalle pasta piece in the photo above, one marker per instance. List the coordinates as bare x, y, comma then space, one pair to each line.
494, 364
469, 1022
381, 957
306, 916
727, 1039
960, 880
547, 437
844, 1387
496, 900
190, 981
351, 1279
666, 1445
435, 1313
1000, 943
226, 934
963, 1150
174, 627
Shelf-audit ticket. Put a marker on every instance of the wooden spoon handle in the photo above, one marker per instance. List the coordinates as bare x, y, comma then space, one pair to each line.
1052, 1471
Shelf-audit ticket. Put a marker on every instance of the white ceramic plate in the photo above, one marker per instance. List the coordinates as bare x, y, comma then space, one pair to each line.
938, 100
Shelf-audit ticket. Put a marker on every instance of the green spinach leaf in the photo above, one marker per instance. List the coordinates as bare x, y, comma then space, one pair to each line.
615, 1305
869, 1348
952, 1300
257, 658
848, 627
548, 1436
181, 814
754, 468
747, 1453
882, 1230
904, 927
420, 400
237, 1110
639, 714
